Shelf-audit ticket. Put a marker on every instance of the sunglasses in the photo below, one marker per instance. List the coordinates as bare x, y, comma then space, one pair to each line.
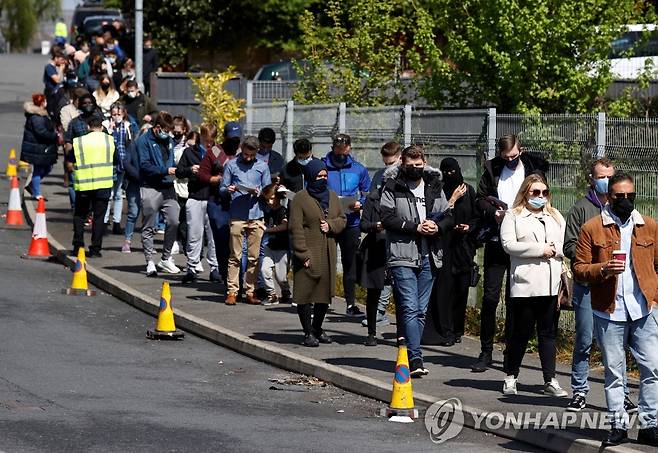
537, 192
620, 195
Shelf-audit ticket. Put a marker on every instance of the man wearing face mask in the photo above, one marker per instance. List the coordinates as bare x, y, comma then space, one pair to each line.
141, 108
211, 171
156, 171
273, 159
348, 178
243, 179
617, 254
415, 214
292, 175
585, 209
498, 186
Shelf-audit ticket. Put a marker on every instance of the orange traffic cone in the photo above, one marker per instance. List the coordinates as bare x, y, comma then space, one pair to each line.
11, 164
14, 213
165, 329
79, 286
39, 246
401, 409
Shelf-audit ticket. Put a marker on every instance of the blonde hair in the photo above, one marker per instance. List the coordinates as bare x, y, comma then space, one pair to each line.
520, 200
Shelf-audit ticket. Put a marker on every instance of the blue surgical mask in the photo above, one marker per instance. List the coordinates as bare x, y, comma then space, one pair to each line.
162, 135
304, 162
601, 185
537, 203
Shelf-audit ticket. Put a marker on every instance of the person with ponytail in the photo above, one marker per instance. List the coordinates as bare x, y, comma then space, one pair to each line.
316, 218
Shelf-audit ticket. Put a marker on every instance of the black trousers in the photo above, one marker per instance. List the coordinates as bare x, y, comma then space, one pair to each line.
530, 312
181, 234
444, 320
496, 265
96, 201
348, 241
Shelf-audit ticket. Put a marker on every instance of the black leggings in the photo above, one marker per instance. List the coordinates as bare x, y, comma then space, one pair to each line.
529, 311
372, 300
319, 312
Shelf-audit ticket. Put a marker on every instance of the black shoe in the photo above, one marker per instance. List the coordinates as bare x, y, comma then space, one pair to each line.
648, 436
416, 368
616, 436
116, 228
629, 405
94, 254
371, 340
354, 312
189, 277
447, 343
577, 403
310, 341
458, 339
215, 276
484, 361
323, 338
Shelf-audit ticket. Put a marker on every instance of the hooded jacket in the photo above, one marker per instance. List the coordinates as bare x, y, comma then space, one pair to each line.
155, 159
400, 217
39, 146
349, 180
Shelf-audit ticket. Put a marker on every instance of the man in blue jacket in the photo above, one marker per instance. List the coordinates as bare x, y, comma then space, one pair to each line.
348, 178
156, 171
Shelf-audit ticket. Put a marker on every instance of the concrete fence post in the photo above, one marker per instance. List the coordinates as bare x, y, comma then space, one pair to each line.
290, 123
342, 114
407, 125
600, 135
249, 108
491, 134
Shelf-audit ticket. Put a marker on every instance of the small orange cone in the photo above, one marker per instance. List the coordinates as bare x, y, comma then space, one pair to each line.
165, 329
401, 409
79, 286
11, 164
39, 246
14, 213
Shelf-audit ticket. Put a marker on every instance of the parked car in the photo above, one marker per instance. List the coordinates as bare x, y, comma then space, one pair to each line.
86, 10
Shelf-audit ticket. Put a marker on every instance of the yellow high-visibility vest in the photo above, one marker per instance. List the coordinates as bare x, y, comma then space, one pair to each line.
60, 30
94, 167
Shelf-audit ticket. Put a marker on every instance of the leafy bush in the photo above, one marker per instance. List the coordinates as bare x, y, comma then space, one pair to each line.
218, 106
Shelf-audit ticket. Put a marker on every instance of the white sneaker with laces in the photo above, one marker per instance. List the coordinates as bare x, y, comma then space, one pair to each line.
151, 271
199, 268
552, 388
168, 266
509, 385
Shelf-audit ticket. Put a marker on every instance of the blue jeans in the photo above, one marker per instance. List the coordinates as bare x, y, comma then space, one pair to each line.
413, 286
38, 173
641, 336
582, 307
116, 200
134, 200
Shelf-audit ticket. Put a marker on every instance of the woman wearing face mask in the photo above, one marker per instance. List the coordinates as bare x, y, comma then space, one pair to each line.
316, 217
119, 127
105, 94
532, 234
448, 302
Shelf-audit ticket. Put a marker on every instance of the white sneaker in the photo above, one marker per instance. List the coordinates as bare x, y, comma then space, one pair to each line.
552, 388
509, 385
168, 266
175, 249
199, 268
151, 271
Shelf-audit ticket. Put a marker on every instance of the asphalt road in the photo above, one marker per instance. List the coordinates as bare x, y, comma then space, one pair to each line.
78, 374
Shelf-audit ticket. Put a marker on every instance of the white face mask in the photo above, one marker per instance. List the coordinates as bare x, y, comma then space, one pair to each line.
304, 162
132, 94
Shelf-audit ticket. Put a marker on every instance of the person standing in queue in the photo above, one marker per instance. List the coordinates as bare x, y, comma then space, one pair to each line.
316, 218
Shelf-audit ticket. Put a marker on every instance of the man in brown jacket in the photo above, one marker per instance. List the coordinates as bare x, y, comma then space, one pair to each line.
617, 254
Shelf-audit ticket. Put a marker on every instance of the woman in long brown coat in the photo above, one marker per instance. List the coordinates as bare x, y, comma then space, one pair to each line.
316, 217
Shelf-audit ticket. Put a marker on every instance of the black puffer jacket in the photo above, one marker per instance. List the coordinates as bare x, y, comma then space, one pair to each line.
39, 145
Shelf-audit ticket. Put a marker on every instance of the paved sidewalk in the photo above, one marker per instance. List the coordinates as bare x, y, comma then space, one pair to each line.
273, 334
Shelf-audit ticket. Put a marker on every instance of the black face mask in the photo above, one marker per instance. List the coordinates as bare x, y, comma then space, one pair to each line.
622, 207
413, 173
511, 164
88, 109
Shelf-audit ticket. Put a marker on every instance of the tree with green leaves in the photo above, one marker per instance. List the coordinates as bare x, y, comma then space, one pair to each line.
21, 19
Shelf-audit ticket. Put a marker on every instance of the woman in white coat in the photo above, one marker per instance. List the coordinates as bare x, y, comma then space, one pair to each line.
532, 233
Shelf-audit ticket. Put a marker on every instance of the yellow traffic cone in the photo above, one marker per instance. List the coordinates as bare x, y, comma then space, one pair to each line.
401, 409
11, 164
79, 286
165, 328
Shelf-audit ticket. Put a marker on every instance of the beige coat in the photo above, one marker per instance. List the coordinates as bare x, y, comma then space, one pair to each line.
524, 238
317, 283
